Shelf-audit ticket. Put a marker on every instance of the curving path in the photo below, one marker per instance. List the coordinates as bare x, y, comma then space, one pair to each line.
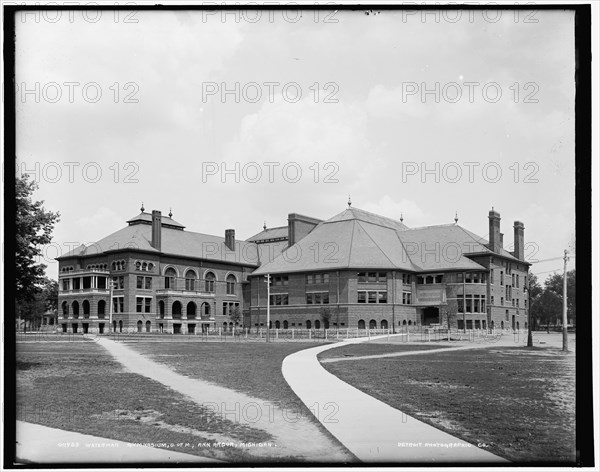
372, 430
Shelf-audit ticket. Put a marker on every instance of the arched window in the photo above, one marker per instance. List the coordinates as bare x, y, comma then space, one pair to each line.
101, 308
308, 324
384, 324
502, 324
161, 309
403, 322
65, 309
361, 324
190, 280
231, 284
139, 326
150, 266
138, 265
518, 322
285, 324
270, 325
148, 326
114, 326
75, 307
372, 324
317, 324
409, 322
144, 266
191, 311
209, 282
176, 310
326, 324
86, 309
277, 324
120, 326
170, 275
206, 309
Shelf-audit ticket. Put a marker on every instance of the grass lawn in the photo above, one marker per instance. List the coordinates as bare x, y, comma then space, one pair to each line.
77, 386
247, 367
516, 402
369, 349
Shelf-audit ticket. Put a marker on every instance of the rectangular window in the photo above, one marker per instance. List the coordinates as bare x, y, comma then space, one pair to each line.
65, 284
438, 279
362, 297
420, 279
468, 278
372, 297
317, 297
225, 309
309, 298
76, 283
284, 299
469, 324
501, 301
460, 324
501, 278
148, 284
362, 277
483, 308
139, 301
477, 324
459, 302
468, 304
406, 298
372, 277
325, 298
476, 304
101, 282
118, 304
492, 276
460, 277
406, 278
140, 282
517, 280
492, 300
147, 305
382, 297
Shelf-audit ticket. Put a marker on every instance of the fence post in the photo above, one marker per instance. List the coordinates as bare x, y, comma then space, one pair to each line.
326, 335
309, 334
292, 333
388, 334
428, 336
277, 334
347, 333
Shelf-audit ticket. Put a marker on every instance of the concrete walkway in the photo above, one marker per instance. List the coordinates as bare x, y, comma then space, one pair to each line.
372, 430
293, 436
42, 445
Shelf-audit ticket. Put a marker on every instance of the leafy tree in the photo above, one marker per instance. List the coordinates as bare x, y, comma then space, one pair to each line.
547, 308
235, 315
554, 283
448, 314
44, 299
325, 314
34, 227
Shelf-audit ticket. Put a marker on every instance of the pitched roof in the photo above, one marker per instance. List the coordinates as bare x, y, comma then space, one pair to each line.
146, 218
270, 233
173, 242
359, 239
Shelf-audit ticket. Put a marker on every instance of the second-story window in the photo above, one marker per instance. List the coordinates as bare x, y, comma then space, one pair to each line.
209, 282
231, 285
190, 280
170, 275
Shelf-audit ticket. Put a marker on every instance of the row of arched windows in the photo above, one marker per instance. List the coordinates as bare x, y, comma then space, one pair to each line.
373, 324
190, 310
97, 267
118, 265
67, 269
76, 310
192, 281
144, 266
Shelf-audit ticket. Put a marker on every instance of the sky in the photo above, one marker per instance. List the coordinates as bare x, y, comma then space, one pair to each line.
232, 120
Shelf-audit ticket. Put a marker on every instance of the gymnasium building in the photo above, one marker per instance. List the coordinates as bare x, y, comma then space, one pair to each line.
354, 270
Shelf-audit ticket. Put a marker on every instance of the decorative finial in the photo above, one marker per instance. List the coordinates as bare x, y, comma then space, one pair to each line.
265, 225
456, 218
142, 209
349, 202
401, 218
170, 213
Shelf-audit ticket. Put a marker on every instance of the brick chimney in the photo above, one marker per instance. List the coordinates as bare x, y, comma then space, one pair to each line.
519, 251
299, 226
230, 239
156, 229
494, 231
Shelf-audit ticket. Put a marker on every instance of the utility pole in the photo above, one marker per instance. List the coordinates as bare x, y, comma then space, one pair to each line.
110, 305
564, 314
529, 335
268, 280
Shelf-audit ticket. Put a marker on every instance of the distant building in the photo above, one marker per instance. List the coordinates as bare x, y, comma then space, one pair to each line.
355, 270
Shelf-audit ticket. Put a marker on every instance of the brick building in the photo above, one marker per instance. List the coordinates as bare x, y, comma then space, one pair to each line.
359, 270
355, 270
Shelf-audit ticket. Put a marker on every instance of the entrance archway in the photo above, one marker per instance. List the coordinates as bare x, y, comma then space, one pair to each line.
431, 315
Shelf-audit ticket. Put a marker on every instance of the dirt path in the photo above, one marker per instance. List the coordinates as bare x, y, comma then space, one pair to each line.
294, 436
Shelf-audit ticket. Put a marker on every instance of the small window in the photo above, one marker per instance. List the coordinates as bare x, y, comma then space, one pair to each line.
362, 297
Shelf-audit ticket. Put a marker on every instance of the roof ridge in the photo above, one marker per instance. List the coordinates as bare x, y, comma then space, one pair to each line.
376, 244
433, 226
